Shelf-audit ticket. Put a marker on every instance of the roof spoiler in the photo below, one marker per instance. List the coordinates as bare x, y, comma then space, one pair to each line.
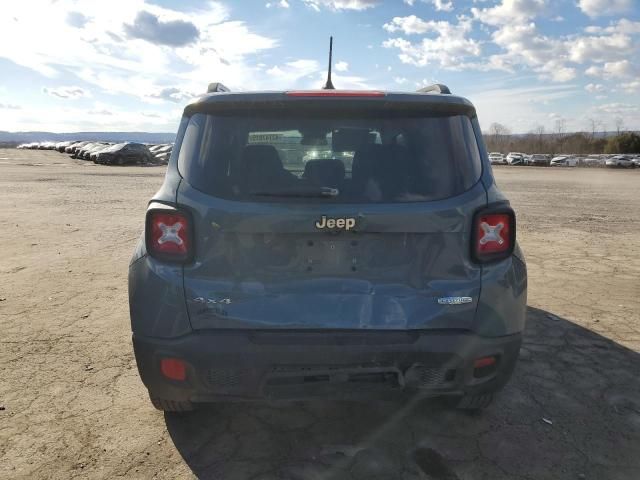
217, 87
435, 88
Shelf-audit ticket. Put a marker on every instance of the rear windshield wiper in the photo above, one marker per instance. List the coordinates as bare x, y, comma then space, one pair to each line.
309, 191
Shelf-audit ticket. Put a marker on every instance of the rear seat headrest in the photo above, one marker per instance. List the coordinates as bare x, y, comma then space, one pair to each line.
262, 156
327, 172
263, 168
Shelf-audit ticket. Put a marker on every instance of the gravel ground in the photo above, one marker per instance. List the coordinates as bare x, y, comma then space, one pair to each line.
71, 403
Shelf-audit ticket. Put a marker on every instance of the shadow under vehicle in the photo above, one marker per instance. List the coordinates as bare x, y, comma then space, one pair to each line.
571, 410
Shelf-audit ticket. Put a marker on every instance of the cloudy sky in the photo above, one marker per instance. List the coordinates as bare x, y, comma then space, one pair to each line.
71, 65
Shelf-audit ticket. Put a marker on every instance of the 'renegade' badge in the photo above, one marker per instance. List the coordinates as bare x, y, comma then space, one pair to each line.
454, 300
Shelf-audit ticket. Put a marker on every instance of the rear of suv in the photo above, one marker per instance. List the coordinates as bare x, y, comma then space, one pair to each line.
333, 244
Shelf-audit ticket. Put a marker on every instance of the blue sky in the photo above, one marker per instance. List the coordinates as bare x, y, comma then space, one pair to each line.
71, 65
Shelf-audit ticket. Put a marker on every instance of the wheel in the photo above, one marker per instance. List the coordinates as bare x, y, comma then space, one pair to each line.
475, 402
171, 405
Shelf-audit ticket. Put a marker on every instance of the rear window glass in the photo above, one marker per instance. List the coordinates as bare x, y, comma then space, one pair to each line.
328, 157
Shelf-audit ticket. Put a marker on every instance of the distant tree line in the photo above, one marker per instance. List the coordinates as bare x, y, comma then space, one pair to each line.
500, 139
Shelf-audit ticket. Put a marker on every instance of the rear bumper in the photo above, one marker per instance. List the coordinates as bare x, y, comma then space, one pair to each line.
224, 366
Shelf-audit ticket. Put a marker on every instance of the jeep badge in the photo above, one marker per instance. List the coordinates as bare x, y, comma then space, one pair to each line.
345, 223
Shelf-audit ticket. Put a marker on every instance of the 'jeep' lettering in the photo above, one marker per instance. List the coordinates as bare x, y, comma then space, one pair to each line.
326, 222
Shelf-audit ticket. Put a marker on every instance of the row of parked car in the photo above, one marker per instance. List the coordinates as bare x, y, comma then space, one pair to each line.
125, 153
543, 160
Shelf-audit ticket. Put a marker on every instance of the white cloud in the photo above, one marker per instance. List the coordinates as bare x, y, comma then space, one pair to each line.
173, 94
557, 58
599, 48
622, 26
280, 4
442, 5
520, 108
613, 70
631, 87
597, 8
439, 5
72, 93
163, 52
594, 87
341, 66
523, 44
101, 112
76, 119
77, 19
449, 46
408, 25
341, 4
286, 75
610, 50
510, 11
609, 113
174, 33
400, 80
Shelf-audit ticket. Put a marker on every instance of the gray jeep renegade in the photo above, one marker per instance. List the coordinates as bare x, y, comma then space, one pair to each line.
327, 243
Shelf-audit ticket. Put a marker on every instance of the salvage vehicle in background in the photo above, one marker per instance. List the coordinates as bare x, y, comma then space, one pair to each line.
564, 161
594, 161
539, 160
620, 161
124, 154
153, 148
71, 149
61, 146
86, 152
390, 268
94, 152
497, 158
164, 148
515, 158
162, 157
81, 151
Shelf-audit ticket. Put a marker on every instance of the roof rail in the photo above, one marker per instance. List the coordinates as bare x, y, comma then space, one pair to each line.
436, 87
217, 87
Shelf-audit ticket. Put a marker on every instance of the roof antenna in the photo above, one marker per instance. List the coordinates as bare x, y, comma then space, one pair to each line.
329, 85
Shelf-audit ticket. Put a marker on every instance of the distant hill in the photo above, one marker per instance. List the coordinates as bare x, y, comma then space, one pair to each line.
117, 137
551, 134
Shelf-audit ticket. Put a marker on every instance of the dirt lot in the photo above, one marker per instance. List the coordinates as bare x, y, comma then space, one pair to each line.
74, 406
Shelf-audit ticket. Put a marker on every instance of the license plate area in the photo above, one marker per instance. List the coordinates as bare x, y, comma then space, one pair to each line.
332, 254
287, 376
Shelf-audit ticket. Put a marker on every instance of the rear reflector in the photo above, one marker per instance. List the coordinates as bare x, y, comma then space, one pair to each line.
173, 369
484, 362
334, 93
493, 234
168, 235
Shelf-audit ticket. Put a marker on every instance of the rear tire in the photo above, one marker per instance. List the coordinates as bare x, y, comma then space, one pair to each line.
475, 402
171, 405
